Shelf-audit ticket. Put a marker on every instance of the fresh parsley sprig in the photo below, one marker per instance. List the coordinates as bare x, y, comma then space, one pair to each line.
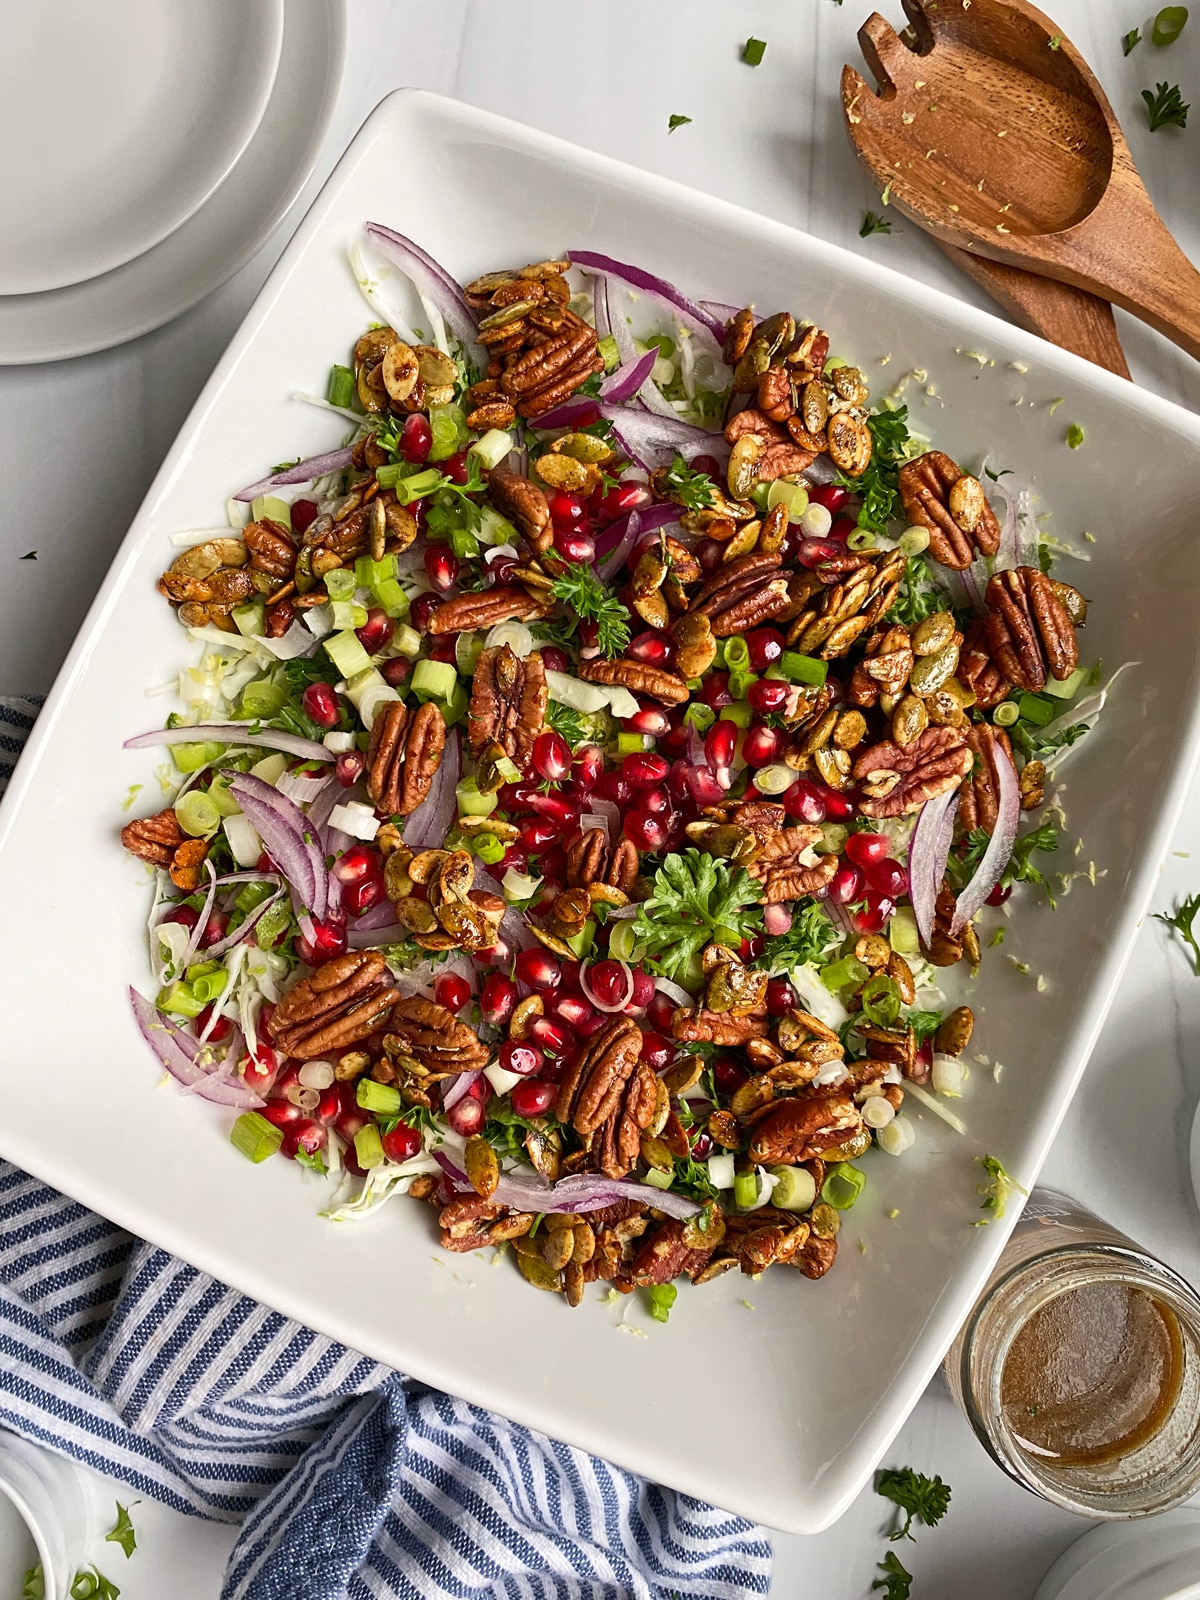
898, 1582
1182, 920
879, 485
927, 1499
997, 1189
692, 490
122, 1531
810, 939
872, 222
592, 601
697, 900
1166, 107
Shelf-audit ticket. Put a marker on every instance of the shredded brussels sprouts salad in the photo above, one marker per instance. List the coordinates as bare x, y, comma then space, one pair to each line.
587, 769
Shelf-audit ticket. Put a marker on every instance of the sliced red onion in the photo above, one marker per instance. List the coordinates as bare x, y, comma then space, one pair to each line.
437, 813
599, 1004
620, 533
609, 813
839, 915
625, 382
291, 841
490, 885
718, 308
613, 562
975, 581
179, 1053
654, 441
302, 787
247, 926
777, 919
431, 281
360, 938
647, 283
928, 852
1000, 846
198, 930
673, 991
820, 472
583, 1191
649, 395
516, 933
233, 733
455, 1088
306, 471
567, 415
379, 916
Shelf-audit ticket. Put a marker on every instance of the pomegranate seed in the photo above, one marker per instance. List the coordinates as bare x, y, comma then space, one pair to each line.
501, 571
829, 495
761, 746
768, 695
715, 692
837, 807
517, 1055
395, 671
705, 789
187, 917
552, 1034
709, 465
515, 856
221, 1028
351, 1117
329, 941
656, 1051
376, 632
924, 1059
656, 801
591, 1025
533, 1098
999, 894
750, 949
360, 897
655, 648
587, 766
781, 997
645, 831
622, 499
455, 467
422, 609
566, 509
552, 806
650, 720
766, 645
416, 439
728, 1074
643, 992
846, 885
497, 999
674, 742
573, 544
644, 771
589, 638
305, 1135
710, 553
842, 528
538, 969
349, 767
719, 744
812, 552
215, 929
875, 915
304, 514
887, 876
864, 849
571, 971
612, 786
401, 1143
537, 833
441, 566
321, 704
452, 991
554, 659
572, 1009
280, 1112
552, 755
701, 1144
329, 1107
259, 1068
608, 982
465, 1116
660, 1012
357, 863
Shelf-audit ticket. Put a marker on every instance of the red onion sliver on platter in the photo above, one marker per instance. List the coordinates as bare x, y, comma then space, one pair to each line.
178, 1052
928, 852
286, 833
647, 283
625, 382
232, 733
430, 279
306, 471
435, 816
995, 857
581, 1192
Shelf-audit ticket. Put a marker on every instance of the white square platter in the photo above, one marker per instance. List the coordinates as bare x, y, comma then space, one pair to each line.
773, 1398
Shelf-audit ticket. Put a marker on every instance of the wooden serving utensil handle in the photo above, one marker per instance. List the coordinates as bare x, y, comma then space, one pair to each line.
1071, 318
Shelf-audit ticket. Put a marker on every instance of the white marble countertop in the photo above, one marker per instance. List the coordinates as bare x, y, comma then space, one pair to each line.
80, 442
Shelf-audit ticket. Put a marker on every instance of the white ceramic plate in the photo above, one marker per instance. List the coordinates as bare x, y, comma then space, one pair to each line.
774, 1398
222, 235
119, 118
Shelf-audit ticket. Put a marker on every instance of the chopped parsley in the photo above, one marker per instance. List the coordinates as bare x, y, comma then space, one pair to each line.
919, 595
676, 121
809, 940
898, 1582
997, 1189
122, 1532
1182, 920
753, 51
927, 1499
879, 485
923, 1023
591, 601
1166, 107
1021, 867
697, 899
1036, 746
1131, 40
692, 490
578, 727
1074, 436
873, 223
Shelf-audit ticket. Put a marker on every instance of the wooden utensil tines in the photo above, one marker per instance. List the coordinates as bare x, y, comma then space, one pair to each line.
991, 132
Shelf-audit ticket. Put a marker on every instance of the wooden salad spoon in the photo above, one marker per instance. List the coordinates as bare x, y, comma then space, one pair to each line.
991, 132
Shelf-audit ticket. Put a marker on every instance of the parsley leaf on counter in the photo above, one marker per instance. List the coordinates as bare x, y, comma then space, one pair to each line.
1166, 107
30, 555
996, 1192
676, 121
871, 223
1182, 921
898, 1582
697, 898
692, 490
122, 1532
927, 1499
1074, 436
1131, 40
590, 600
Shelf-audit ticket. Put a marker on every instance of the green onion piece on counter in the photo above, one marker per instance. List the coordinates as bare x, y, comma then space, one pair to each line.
804, 669
197, 815
488, 848
378, 1097
255, 1137
178, 1000
737, 654
341, 583
1036, 709
662, 1297
841, 973
740, 713
1168, 25
745, 1190
753, 51
796, 1189
341, 386
368, 1146
881, 1000
1006, 713
191, 757
843, 1185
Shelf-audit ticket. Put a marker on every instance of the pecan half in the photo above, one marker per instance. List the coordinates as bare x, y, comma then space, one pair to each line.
979, 797
751, 420
637, 676
472, 1221
694, 1025
154, 839
524, 503
938, 495
742, 594
485, 609
978, 671
945, 948
616, 1143
271, 547
404, 753
592, 1087
508, 703
425, 1033
798, 1130
783, 869
1028, 629
898, 779
589, 861
664, 1254
341, 1002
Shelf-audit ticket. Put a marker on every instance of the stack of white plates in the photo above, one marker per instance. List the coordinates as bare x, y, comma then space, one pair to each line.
148, 148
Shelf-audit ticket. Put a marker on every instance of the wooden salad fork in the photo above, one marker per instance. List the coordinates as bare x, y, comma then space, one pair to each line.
990, 132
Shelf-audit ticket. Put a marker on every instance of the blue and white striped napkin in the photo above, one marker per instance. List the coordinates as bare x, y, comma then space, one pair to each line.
348, 1479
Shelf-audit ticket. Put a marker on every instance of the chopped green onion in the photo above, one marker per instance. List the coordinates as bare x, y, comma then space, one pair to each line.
740, 682
218, 793
1169, 24
662, 1297
191, 757
622, 942
843, 1185
464, 543
272, 926
348, 615
380, 1097
745, 1190
179, 1001
796, 1189
1069, 687
630, 743
210, 987
436, 680
471, 801
250, 620
255, 1137
197, 815
448, 424
392, 599
903, 935
737, 654
839, 974
271, 768
803, 669
270, 505
389, 474
609, 353
341, 386
488, 848
881, 1000
368, 1147
833, 839
753, 51
659, 1180
740, 713
416, 487
786, 492
347, 654
253, 895
262, 698
861, 539
1036, 709
341, 583
406, 640
700, 716
913, 541
663, 343
1006, 713
369, 574
581, 942
1074, 436
492, 447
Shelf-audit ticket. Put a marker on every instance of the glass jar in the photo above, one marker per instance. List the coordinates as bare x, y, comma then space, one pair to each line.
1079, 1366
